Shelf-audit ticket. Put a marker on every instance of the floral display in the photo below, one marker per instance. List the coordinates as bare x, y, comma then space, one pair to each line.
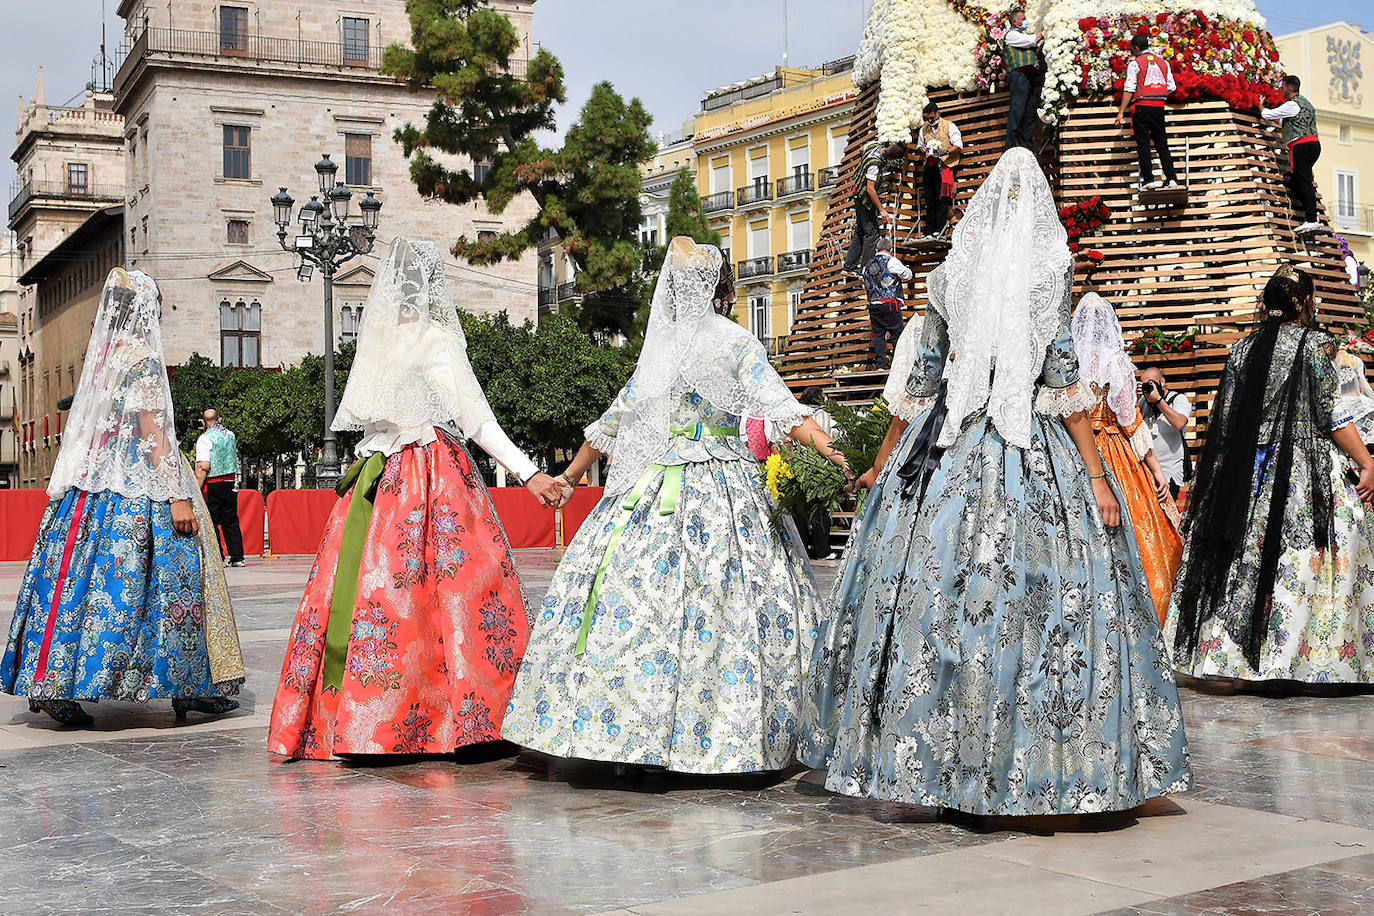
1359, 341
1217, 48
1157, 340
1084, 218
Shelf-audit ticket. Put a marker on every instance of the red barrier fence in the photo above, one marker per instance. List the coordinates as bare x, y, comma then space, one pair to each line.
21, 512
296, 519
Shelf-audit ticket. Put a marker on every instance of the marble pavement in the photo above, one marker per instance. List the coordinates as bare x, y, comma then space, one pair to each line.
141, 815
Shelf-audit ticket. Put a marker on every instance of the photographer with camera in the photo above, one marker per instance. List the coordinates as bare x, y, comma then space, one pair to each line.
1166, 413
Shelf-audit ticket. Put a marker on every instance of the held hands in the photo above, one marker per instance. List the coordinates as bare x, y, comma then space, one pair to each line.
546, 490
1107, 504
566, 488
184, 518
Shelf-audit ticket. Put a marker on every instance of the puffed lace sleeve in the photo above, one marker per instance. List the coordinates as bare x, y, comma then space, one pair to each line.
774, 401
902, 405
1060, 393
1142, 441
924, 380
1327, 412
601, 434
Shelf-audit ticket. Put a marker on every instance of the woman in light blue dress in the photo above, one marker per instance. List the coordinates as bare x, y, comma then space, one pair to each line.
679, 622
994, 648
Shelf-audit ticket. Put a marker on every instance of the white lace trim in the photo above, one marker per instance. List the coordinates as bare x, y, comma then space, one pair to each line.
1142, 441
1066, 401
603, 443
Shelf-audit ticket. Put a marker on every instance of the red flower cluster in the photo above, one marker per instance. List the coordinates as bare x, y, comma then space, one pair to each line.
1227, 59
1084, 218
1158, 340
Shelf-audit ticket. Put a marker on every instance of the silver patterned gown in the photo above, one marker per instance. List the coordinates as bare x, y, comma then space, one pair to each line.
1024, 671
693, 658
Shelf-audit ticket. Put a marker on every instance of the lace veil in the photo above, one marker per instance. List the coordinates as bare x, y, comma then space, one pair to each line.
120, 434
689, 348
411, 371
1001, 291
1102, 358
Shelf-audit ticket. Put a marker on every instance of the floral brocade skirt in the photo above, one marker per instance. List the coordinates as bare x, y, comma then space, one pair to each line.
129, 620
437, 627
994, 649
1156, 538
695, 652
1321, 623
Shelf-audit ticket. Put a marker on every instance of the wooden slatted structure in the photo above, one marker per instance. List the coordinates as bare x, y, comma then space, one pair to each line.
1203, 264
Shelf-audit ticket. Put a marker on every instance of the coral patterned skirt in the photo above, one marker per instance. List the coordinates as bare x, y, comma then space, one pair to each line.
438, 624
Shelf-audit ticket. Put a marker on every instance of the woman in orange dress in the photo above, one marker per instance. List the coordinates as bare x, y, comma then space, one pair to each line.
1126, 445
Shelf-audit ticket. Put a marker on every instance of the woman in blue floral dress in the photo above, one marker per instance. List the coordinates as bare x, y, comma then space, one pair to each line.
679, 622
994, 648
121, 600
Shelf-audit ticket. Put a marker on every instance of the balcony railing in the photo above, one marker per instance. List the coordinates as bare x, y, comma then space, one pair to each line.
796, 184
1354, 219
60, 190
721, 200
567, 291
758, 192
547, 296
755, 267
794, 260
238, 45
828, 177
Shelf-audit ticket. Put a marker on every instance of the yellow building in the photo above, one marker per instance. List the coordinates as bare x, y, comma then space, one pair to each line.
767, 154
1331, 60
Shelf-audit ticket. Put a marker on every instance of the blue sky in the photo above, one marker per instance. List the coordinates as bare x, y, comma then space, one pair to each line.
666, 53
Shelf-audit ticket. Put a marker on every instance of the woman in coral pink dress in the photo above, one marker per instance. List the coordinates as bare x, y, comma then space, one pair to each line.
413, 621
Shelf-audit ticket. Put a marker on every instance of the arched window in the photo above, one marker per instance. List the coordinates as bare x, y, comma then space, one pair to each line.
240, 333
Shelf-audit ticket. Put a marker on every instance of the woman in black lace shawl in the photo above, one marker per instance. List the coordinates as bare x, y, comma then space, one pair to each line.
1261, 593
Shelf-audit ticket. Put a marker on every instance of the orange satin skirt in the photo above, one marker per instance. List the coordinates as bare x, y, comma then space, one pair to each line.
1161, 547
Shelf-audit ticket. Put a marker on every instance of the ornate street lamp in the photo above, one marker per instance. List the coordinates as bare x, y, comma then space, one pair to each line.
327, 241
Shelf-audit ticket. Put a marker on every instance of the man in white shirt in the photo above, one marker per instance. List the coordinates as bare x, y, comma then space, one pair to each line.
870, 216
1298, 120
1166, 413
941, 147
1149, 81
1021, 59
883, 278
217, 465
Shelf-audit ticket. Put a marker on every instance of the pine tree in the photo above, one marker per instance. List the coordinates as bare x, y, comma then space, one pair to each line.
684, 212
587, 190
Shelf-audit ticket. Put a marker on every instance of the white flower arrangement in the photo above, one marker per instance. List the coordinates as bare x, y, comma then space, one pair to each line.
916, 45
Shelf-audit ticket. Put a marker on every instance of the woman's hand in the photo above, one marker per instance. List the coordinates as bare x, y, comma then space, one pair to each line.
549, 494
1106, 502
864, 481
1161, 485
184, 518
566, 489
1365, 486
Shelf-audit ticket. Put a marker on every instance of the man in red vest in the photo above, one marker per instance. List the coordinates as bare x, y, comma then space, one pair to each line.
1149, 80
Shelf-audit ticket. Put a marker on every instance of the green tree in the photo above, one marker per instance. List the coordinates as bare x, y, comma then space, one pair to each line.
684, 212
545, 383
587, 191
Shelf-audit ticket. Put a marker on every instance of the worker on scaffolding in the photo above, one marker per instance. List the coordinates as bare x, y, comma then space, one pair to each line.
1298, 120
1149, 80
1021, 57
883, 279
870, 216
941, 146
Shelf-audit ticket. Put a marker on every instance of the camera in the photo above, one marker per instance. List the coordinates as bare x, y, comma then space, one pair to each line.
1151, 387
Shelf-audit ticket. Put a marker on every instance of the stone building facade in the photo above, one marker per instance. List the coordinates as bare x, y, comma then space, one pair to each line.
225, 102
70, 165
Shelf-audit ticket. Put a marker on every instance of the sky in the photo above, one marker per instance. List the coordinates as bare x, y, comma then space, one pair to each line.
668, 54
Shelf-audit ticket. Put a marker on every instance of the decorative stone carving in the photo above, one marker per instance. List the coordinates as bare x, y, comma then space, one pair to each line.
1346, 70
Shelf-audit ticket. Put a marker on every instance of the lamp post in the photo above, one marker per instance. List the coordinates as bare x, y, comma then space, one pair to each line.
326, 240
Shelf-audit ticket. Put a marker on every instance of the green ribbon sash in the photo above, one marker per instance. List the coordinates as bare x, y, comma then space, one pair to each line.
362, 478
668, 496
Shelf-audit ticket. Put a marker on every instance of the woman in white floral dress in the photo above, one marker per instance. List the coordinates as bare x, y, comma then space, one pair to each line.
678, 624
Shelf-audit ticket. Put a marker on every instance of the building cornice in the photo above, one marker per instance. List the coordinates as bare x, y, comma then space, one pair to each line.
774, 128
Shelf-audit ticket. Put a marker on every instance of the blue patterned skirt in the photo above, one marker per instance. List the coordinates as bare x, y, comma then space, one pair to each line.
128, 624
994, 649
694, 657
